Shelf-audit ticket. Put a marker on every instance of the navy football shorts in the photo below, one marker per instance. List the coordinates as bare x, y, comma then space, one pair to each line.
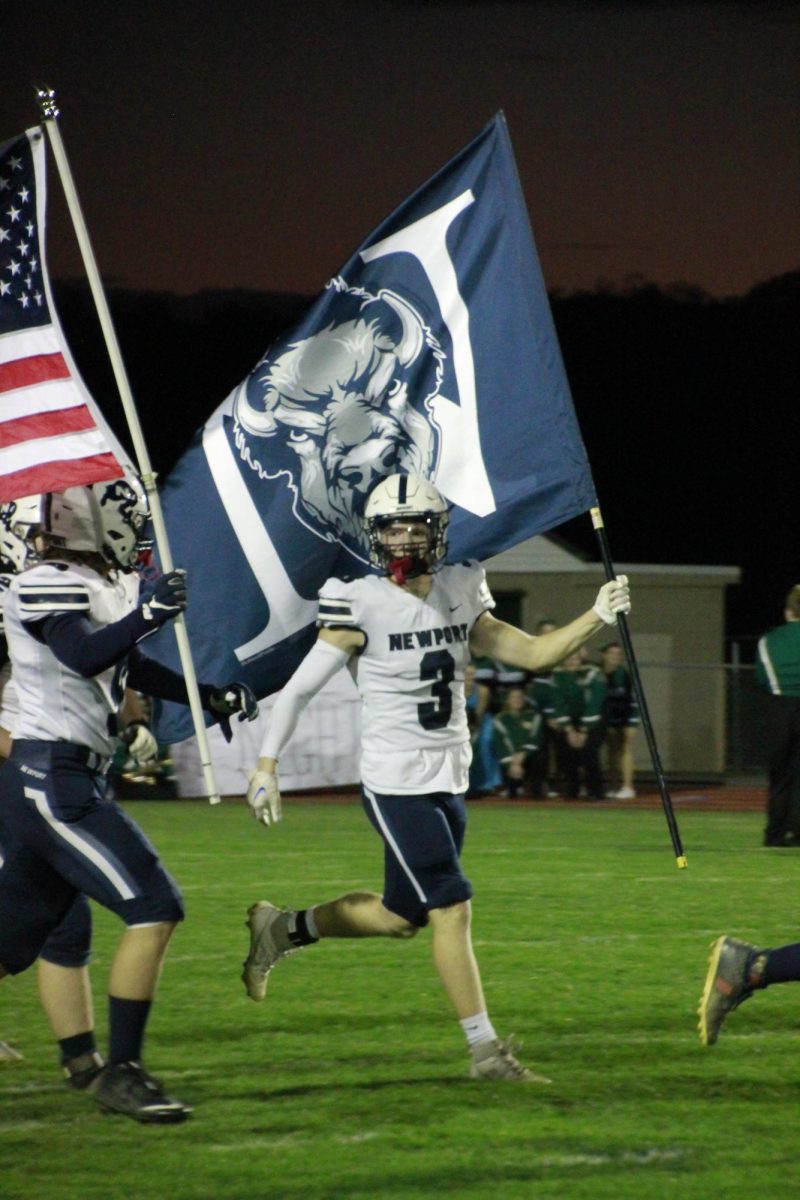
60, 836
422, 839
70, 943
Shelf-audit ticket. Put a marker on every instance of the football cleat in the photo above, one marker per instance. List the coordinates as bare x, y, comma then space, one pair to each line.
496, 1060
267, 947
8, 1053
726, 985
128, 1089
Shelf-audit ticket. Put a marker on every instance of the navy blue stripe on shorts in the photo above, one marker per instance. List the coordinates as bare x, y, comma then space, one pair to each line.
422, 838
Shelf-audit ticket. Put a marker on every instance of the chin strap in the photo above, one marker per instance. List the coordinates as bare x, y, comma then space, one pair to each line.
400, 569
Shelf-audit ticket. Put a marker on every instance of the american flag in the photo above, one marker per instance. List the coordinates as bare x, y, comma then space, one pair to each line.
51, 433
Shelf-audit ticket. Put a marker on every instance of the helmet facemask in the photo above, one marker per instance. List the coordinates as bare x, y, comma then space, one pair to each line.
406, 502
408, 559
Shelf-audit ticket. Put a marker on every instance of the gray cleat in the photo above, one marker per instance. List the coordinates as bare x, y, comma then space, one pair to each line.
267, 946
496, 1060
726, 986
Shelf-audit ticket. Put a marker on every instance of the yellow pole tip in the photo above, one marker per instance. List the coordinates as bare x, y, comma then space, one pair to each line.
681, 862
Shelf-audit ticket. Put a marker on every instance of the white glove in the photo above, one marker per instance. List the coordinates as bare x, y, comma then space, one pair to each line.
614, 597
264, 797
142, 747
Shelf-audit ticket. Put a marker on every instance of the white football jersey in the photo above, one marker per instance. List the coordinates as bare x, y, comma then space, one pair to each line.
55, 703
410, 674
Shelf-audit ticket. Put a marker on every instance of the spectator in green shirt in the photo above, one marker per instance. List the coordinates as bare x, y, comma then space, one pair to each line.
778, 672
517, 739
579, 693
621, 720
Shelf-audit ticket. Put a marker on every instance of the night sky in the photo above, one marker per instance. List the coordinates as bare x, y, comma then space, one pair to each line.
255, 145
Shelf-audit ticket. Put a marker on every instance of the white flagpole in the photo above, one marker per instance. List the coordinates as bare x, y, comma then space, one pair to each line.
50, 115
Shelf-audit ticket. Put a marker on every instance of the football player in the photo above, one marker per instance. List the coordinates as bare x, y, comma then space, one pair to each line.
407, 634
63, 975
73, 624
62, 967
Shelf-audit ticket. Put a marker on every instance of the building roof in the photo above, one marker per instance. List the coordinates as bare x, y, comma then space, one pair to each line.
552, 555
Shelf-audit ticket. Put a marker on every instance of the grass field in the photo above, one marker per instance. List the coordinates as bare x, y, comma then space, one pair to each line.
350, 1080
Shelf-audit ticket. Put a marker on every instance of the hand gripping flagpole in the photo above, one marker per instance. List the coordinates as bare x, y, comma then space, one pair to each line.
647, 724
50, 114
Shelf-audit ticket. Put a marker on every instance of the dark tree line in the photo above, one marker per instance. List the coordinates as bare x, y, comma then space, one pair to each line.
688, 407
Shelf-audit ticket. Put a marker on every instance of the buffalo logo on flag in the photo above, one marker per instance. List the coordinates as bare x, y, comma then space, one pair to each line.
334, 412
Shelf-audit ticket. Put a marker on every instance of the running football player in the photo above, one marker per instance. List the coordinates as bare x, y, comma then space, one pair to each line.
407, 634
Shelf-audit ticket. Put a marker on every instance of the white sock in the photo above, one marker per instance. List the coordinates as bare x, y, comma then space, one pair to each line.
478, 1029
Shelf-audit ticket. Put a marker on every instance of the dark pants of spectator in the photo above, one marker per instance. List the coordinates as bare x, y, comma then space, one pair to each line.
783, 762
536, 774
513, 787
582, 766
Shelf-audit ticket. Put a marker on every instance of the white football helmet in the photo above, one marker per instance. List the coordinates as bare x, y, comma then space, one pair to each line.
104, 518
19, 524
406, 499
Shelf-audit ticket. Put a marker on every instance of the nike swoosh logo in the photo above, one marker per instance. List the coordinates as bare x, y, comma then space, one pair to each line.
453, 607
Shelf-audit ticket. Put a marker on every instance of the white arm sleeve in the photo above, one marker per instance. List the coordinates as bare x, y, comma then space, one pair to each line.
319, 665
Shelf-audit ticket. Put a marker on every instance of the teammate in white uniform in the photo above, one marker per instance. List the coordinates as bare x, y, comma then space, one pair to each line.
63, 980
73, 624
408, 635
63, 975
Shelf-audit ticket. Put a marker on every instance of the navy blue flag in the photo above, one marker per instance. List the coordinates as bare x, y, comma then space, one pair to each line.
432, 353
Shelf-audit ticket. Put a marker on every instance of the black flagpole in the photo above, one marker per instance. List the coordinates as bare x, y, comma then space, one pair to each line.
647, 724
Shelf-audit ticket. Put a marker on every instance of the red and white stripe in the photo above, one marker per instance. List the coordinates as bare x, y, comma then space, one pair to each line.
49, 436
52, 435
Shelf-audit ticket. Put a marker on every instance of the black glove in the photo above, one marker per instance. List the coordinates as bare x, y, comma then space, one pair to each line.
229, 699
167, 599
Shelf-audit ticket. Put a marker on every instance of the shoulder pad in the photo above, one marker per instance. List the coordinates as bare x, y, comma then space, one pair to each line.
40, 594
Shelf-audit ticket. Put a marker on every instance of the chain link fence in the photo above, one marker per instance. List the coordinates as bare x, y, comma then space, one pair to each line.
710, 719
746, 717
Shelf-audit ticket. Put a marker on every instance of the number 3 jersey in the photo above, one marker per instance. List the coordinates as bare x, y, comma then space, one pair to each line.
54, 702
410, 674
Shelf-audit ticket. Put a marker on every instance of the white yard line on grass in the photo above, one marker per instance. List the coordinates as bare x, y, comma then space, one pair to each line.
614, 1159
